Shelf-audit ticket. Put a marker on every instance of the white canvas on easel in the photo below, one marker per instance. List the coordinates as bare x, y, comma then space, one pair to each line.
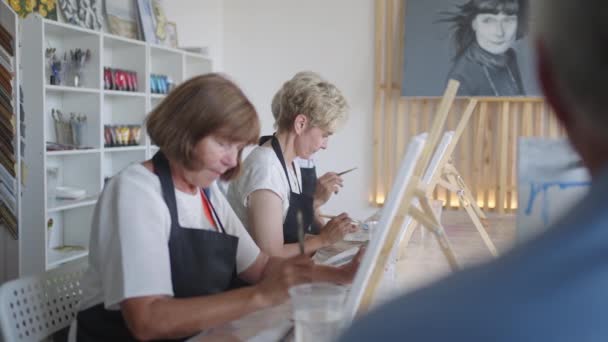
428, 176
370, 262
441, 172
400, 206
551, 179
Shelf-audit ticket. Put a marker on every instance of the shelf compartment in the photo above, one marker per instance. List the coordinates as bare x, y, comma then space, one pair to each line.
196, 65
77, 103
123, 111
81, 171
168, 62
120, 93
72, 152
113, 163
70, 227
59, 88
64, 38
125, 54
58, 258
125, 149
60, 205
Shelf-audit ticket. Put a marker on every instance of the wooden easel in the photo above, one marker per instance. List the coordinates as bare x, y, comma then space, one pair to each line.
447, 176
414, 204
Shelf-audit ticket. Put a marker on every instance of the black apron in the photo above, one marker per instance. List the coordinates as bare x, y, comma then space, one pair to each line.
309, 180
309, 185
203, 262
298, 202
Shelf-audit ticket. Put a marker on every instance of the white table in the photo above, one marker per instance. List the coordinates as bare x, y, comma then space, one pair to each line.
272, 324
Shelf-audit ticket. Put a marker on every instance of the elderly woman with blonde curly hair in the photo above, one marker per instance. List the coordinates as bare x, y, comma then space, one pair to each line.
268, 195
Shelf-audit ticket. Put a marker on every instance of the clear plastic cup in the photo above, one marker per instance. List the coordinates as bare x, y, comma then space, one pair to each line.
372, 229
318, 311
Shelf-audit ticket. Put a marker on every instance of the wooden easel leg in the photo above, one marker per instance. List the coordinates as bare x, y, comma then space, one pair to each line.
410, 228
428, 220
472, 202
473, 214
460, 184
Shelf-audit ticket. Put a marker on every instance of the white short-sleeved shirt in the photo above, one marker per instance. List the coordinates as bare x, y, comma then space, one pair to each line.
262, 170
129, 251
305, 163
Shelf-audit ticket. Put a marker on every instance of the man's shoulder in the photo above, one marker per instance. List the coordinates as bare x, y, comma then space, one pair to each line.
546, 280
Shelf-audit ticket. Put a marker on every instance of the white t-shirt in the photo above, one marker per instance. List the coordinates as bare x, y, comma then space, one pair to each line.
129, 251
305, 163
262, 170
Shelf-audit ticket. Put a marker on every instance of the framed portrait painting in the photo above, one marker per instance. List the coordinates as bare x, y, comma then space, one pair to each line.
483, 44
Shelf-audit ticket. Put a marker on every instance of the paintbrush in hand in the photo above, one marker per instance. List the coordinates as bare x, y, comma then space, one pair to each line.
347, 171
333, 217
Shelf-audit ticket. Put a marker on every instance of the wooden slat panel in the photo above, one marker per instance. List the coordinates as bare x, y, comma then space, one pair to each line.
401, 131
486, 157
378, 190
488, 147
389, 144
553, 124
478, 154
400, 44
527, 122
539, 127
389, 139
516, 113
489, 157
453, 117
469, 148
413, 115
465, 157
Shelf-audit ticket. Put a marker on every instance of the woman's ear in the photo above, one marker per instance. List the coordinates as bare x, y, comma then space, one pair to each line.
300, 123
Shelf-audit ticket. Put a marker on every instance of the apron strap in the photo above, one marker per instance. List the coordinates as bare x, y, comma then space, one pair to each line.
264, 139
163, 171
279, 153
207, 194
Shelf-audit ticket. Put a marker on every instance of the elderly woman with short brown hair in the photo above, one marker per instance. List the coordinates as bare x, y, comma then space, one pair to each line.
166, 249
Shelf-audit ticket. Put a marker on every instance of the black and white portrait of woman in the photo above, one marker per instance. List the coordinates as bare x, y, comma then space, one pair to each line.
484, 32
481, 43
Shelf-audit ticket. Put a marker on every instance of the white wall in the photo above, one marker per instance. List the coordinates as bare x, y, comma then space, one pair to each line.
267, 41
199, 23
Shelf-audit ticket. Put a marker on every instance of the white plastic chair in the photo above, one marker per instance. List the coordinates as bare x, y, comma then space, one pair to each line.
35, 307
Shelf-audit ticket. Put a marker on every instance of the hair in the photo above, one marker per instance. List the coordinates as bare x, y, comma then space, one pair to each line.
307, 93
204, 105
575, 37
275, 106
461, 19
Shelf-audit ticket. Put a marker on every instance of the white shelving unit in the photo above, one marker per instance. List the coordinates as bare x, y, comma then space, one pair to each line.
9, 247
84, 168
